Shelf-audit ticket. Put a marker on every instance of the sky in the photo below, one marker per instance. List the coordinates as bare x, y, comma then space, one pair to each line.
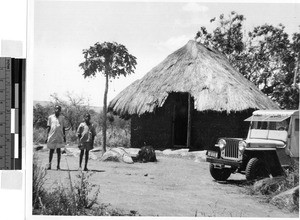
149, 30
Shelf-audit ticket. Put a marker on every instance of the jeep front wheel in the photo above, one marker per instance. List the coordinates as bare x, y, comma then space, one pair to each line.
219, 174
256, 169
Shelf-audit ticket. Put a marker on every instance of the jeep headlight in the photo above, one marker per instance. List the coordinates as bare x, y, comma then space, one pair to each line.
242, 145
222, 144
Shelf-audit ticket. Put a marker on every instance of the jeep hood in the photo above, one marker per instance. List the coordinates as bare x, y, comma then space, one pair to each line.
262, 143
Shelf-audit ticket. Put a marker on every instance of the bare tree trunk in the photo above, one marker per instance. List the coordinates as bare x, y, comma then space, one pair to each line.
297, 70
105, 114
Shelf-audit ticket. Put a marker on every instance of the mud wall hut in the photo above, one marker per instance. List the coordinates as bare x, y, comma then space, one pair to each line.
189, 100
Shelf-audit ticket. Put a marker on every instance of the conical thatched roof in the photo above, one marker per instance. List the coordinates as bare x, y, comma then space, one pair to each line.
204, 73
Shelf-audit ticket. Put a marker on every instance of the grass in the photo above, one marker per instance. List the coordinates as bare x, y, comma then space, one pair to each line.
78, 198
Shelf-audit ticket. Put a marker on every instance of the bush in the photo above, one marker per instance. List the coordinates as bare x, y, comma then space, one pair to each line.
115, 138
71, 137
39, 135
40, 115
272, 187
118, 138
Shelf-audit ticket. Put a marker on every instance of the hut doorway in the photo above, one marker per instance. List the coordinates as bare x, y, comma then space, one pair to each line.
180, 119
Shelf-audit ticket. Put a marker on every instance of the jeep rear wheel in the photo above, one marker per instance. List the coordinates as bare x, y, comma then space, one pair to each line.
219, 174
256, 169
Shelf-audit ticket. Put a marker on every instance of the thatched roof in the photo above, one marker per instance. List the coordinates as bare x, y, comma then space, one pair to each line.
204, 73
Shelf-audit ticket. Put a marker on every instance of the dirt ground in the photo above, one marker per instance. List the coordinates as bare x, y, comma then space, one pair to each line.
173, 186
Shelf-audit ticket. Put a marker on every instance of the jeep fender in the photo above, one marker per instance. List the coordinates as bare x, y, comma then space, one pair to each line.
284, 159
268, 155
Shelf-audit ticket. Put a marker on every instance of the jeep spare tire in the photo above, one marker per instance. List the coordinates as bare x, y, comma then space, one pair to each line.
219, 174
256, 169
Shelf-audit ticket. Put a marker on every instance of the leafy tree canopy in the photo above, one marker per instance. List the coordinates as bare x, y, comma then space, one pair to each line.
110, 59
266, 55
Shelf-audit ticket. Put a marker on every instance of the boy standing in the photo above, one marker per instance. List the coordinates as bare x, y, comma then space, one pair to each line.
56, 135
86, 134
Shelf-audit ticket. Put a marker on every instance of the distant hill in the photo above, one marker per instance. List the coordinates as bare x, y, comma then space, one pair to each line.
42, 103
96, 108
45, 103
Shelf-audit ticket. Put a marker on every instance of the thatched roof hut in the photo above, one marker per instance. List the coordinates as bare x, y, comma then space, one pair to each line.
204, 73
192, 72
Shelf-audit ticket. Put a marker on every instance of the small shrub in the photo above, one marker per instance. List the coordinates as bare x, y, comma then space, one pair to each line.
57, 202
83, 191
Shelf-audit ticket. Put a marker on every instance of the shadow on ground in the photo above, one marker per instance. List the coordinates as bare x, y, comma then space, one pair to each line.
239, 183
76, 170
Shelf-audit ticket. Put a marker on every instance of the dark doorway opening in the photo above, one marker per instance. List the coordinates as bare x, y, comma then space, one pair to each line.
180, 119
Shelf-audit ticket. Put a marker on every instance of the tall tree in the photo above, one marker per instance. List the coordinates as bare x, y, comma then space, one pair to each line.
266, 56
273, 66
112, 60
227, 37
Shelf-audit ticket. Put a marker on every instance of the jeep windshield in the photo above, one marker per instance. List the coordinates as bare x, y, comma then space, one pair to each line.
270, 127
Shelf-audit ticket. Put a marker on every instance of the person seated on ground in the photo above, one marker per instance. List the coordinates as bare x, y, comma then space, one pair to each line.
86, 134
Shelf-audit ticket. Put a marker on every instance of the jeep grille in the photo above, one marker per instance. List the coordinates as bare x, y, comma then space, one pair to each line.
232, 149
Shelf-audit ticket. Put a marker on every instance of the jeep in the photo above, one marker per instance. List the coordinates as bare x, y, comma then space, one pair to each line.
272, 144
